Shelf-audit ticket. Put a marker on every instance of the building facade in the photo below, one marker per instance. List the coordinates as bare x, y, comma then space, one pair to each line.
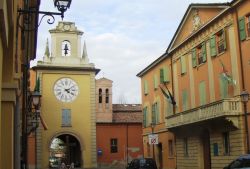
17, 48
67, 85
118, 128
206, 63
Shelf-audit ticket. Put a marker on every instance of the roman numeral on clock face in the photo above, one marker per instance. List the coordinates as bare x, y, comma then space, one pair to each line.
66, 90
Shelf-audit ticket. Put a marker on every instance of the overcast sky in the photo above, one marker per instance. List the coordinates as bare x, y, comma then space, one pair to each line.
122, 36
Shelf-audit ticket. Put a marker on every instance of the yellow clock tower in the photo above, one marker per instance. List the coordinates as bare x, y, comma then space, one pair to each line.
67, 85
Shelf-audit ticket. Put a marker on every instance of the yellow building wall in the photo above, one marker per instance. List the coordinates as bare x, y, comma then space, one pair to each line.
1, 63
80, 114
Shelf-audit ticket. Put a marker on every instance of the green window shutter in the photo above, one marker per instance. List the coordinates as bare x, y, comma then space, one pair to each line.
145, 87
204, 52
184, 100
166, 74
213, 51
183, 65
153, 114
194, 60
155, 82
242, 28
202, 92
161, 75
224, 37
223, 87
145, 117
158, 112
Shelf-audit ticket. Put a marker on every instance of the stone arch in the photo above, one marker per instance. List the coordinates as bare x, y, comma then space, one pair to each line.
69, 149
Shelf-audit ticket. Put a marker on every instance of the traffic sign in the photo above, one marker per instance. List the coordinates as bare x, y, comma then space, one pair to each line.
153, 138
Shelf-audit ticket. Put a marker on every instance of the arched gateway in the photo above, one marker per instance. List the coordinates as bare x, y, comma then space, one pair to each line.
65, 148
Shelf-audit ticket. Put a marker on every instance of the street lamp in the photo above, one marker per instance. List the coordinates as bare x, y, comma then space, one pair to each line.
33, 112
27, 18
244, 98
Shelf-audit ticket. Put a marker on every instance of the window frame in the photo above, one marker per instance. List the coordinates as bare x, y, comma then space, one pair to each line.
66, 118
113, 145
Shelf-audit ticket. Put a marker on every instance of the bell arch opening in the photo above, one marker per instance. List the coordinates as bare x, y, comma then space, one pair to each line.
65, 149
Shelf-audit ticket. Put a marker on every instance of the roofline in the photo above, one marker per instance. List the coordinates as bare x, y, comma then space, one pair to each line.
153, 64
185, 17
66, 68
165, 55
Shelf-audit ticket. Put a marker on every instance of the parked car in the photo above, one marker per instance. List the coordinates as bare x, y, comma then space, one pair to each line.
242, 162
142, 163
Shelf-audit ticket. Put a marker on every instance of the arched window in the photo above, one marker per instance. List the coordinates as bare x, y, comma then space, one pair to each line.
107, 95
100, 95
66, 48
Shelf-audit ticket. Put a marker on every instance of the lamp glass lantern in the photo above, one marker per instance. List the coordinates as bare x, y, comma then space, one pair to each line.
244, 96
36, 97
62, 5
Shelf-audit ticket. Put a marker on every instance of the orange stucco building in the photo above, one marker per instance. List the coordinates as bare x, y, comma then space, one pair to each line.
194, 89
118, 128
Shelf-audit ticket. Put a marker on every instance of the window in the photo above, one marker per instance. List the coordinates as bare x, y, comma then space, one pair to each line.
66, 117
145, 87
218, 43
183, 65
185, 146
164, 75
155, 82
107, 96
199, 55
155, 113
226, 143
113, 145
170, 148
202, 93
216, 149
100, 96
66, 48
184, 99
145, 116
221, 42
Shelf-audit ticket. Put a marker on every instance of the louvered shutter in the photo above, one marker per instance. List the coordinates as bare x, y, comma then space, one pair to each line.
204, 52
194, 60
213, 51
242, 28
183, 65
202, 92
161, 75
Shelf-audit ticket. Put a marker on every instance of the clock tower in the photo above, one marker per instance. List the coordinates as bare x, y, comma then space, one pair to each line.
67, 85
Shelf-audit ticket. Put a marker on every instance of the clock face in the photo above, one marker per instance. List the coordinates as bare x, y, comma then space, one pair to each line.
66, 90
66, 27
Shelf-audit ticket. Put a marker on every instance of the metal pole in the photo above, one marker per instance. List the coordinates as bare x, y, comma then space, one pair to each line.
152, 126
246, 126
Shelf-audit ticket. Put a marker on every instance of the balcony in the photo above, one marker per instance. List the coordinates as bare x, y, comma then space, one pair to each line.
227, 108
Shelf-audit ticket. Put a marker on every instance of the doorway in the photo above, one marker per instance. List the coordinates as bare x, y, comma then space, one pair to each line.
160, 155
205, 138
66, 149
